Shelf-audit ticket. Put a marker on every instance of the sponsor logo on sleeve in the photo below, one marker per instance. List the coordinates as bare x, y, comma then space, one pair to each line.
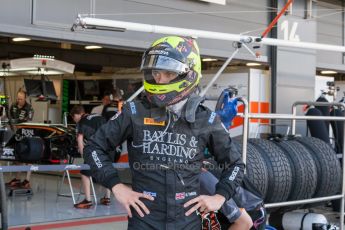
115, 116
234, 173
133, 109
96, 159
212, 117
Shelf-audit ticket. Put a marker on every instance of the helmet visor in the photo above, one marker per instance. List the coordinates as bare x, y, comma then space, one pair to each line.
163, 63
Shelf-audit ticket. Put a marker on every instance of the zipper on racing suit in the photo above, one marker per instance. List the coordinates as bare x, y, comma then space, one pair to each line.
171, 191
178, 174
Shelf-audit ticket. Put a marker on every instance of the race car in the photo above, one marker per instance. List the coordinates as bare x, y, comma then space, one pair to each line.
38, 143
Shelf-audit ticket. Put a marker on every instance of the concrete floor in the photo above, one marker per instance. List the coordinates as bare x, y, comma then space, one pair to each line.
45, 210
44, 206
104, 223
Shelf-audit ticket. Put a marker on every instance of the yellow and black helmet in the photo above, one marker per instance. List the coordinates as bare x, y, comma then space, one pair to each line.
175, 54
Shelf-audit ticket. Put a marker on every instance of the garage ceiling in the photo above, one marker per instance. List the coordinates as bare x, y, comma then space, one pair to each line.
90, 61
105, 60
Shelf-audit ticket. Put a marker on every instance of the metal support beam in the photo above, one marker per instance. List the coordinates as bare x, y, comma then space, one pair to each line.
273, 52
86, 22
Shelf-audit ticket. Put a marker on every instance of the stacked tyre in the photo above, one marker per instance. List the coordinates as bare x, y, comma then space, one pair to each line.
256, 169
303, 171
279, 170
292, 169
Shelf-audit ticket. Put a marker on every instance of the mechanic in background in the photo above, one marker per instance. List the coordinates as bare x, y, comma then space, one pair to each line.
105, 101
87, 124
114, 106
21, 111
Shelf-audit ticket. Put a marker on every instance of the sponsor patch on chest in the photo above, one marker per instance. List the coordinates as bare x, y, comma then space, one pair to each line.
153, 194
180, 196
151, 121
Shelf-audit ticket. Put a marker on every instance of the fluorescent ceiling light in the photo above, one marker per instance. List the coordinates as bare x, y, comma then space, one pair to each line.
30, 71
328, 72
253, 64
45, 72
41, 63
20, 39
209, 59
38, 56
22, 69
93, 47
6, 74
116, 29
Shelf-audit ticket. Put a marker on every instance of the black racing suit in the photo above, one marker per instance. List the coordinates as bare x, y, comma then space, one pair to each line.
87, 126
110, 110
23, 114
165, 160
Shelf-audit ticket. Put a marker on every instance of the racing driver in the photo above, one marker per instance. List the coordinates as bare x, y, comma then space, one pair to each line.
167, 132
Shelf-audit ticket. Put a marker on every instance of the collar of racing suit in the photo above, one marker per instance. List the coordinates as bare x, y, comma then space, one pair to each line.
177, 108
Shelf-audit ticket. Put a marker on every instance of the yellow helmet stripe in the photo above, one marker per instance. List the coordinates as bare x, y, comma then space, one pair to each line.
167, 88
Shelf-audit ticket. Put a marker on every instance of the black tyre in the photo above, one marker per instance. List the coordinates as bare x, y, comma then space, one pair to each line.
256, 170
3, 204
279, 170
303, 169
317, 128
338, 129
327, 165
30, 149
324, 109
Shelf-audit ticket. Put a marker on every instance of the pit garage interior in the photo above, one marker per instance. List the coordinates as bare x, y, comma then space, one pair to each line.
271, 80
